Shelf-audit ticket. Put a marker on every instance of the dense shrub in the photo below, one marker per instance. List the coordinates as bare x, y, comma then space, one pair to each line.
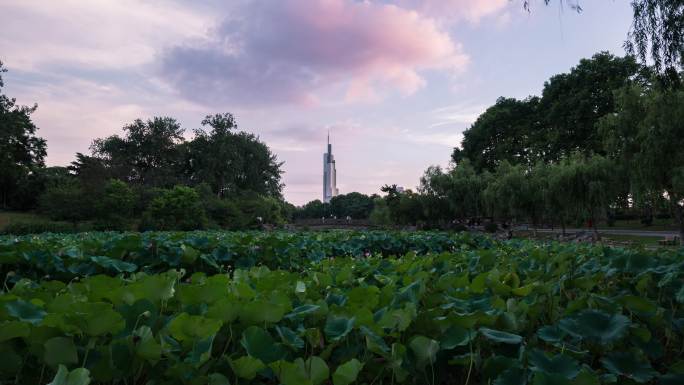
178, 208
220, 212
257, 210
380, 216
115, 206
65, 202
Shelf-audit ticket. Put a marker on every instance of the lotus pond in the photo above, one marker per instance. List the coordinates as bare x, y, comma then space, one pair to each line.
336, 308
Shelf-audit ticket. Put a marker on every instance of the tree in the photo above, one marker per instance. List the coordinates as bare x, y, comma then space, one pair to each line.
511, 193
504, 132
178, 208
65, 201
460, 189
149, 154
91, 171
114, 208
22, 153
232, 162
572, 104
314, 209
658, 33
590, 186
354, 205
380, 216
646, 135
557, 198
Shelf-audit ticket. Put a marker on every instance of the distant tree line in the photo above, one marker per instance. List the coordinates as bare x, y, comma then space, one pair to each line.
603, 140
353, 205
150, 177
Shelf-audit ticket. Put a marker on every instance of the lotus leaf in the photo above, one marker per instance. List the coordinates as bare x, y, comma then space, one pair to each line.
80, 376
247, 367
259, 344
560, 365
60, 350
337, 327
596, 325
347, 373
500, 336
425, 350
630, 365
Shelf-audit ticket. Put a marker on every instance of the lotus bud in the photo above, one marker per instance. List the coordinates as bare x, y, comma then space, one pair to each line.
146, 314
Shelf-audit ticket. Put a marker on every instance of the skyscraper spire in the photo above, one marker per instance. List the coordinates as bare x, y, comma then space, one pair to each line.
329, 173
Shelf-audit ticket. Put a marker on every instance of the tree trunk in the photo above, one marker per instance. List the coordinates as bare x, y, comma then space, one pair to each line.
680, 219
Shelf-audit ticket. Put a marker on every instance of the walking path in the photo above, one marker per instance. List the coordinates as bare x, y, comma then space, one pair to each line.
641, 233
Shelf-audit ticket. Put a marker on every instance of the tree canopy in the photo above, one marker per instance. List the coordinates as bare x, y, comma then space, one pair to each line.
22, 152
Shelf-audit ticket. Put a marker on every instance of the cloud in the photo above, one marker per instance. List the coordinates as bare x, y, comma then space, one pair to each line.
105, 33
309, 51
470, 10
461, 114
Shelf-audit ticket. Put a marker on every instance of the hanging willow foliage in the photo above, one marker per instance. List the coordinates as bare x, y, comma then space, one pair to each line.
656, 36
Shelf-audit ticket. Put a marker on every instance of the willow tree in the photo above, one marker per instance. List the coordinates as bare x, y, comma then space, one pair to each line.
646, 134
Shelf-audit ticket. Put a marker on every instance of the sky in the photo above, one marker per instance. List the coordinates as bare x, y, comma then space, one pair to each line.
396, 82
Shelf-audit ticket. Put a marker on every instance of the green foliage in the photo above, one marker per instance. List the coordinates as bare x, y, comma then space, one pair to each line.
354, 205
115, 207
314, 209
65, 201
495, 312
23, 152
504, 132
149, 154
380, 216
645, 136
37, 226
232, 163
175, 209
572, 104
79, 376
70, 256
461, 188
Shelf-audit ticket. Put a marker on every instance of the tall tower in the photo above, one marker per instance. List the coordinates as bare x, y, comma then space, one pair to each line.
329, 174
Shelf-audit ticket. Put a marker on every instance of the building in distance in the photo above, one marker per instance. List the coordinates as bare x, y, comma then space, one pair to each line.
329, 174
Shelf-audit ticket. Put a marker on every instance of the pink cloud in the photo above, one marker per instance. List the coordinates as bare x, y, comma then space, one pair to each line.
301, 51
471, 10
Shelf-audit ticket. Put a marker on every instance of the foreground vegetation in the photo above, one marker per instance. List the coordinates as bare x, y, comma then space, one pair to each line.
256, 308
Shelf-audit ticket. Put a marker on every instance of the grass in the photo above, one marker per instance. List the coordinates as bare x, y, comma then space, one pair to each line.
635, 224
7, 217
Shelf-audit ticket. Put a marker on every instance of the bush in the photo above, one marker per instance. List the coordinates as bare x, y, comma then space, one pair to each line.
380, 216
176, 209
255, 211
64, 202
223, 213
115, 206
491, 227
